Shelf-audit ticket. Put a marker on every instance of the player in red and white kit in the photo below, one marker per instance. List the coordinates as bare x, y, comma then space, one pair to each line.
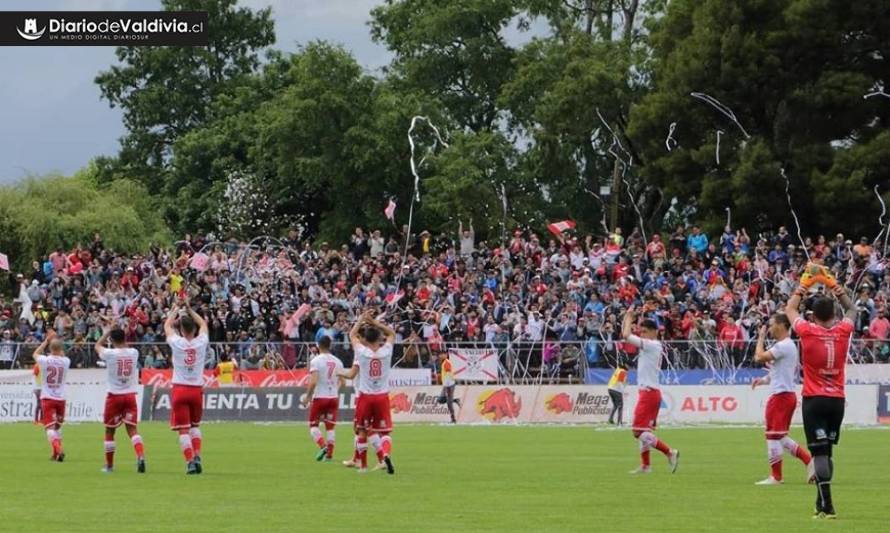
54, 368
783, 363
189, 348
649, 401
122, 364
324, 394
824, 346
372, 343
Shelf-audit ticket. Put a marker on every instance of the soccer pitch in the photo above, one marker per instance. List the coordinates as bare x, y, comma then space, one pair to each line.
265, 478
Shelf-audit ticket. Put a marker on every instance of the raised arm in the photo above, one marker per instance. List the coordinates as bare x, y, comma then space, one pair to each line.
101, 343
387, 331
41, 350
792, 308
203, 329
169, 324
627, 324
760, 354
354, 334
849, 308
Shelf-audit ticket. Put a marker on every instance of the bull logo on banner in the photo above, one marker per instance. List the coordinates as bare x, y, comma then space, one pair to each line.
499, 404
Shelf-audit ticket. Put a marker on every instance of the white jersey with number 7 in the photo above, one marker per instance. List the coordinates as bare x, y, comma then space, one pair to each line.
327, 367
373, 368
188, 359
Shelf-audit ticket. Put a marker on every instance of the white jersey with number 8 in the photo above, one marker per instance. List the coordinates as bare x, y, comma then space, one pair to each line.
326, 366
373, 368
123, 369
188, 359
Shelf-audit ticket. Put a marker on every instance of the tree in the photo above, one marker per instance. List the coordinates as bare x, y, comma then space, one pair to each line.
454, 51
45, 213
793, 72
167, 91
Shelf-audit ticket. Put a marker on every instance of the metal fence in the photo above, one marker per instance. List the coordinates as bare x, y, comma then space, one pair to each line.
519, 362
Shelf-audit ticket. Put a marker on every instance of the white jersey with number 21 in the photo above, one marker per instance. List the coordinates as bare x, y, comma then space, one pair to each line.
373, 368
188, 359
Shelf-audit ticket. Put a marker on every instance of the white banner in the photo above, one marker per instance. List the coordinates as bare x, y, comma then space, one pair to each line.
421, 404
474, 364
738, 404
86, 402
410, 377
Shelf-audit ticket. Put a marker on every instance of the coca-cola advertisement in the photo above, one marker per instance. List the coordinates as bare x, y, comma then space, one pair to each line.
266, 404
161, 379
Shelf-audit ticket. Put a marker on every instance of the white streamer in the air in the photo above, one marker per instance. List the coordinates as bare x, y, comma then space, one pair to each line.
727, 112
794, 213
717, 149
670, 143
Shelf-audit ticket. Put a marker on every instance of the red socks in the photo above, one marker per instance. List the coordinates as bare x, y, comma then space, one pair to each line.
644, 458
138, 446
662, 447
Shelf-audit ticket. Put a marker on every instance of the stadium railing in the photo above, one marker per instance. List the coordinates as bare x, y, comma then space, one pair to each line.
518, 362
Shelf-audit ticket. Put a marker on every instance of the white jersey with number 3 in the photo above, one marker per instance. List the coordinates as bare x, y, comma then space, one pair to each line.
188, 359
54, 369
784, 366
373, 368
326, 366
123, 369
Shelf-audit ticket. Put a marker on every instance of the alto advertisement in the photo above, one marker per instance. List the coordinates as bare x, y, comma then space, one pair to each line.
735, 404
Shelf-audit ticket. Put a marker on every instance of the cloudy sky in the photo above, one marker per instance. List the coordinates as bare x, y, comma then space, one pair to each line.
52, 117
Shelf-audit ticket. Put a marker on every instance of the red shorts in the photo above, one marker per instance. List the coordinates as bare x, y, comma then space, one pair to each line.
779, 410
53, 412
372, 413
120, 409
187, 406
324, 410
646, 411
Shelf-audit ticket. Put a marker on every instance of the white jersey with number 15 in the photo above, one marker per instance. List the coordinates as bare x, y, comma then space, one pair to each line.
123, 369
373, 368
188, 359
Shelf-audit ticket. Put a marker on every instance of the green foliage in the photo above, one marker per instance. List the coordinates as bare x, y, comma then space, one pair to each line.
327, 140
42, 214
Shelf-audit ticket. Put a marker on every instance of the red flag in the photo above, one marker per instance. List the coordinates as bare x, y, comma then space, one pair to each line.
4, 262
390, 210
557, 228
394, 297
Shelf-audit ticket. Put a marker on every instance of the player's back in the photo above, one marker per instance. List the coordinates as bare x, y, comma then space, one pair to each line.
54, 370
373, 368
122, 367
823, 355
783, 369
188, 357
327, 366
648, 363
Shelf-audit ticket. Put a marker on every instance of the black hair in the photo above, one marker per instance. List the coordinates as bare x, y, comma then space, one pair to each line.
187, 325
648, 323
782, 318
117, 336
324, 342
224, 357
823, 308
371, 334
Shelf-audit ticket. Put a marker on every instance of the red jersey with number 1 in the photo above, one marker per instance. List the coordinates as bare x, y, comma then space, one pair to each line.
823, 356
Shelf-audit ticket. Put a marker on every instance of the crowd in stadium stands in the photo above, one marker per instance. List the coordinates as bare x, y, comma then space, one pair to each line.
530, 289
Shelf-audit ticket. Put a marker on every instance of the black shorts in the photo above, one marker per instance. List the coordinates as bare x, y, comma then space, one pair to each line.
822, 418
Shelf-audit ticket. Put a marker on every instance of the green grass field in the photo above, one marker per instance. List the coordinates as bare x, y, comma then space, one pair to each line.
264, 478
